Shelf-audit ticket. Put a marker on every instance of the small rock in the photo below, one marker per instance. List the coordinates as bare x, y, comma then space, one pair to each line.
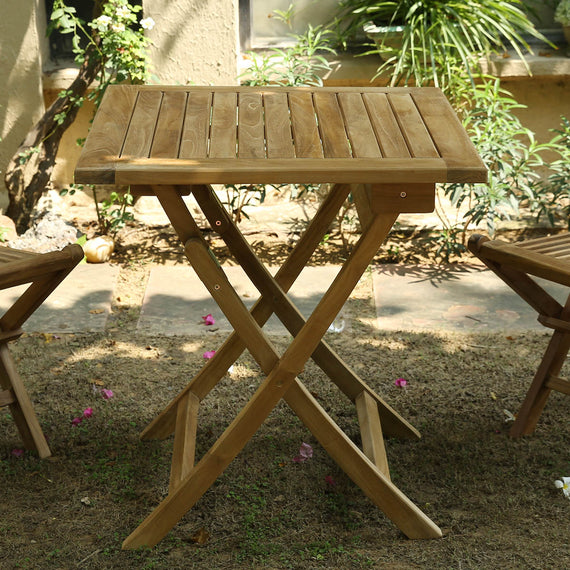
7, 228
99, 249
49, 232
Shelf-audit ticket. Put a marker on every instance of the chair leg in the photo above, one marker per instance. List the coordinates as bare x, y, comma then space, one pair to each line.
539, 391
21, 406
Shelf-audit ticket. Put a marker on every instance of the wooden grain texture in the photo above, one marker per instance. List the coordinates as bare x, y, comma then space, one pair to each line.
140, 134
287, 171
280, 136
278, 126
418, 138
223, 132
358, 126
196, 133
184, 449
105, 140
168, 131
331, 126
449, 135
251, 130
390, 139
371, 432
304, 125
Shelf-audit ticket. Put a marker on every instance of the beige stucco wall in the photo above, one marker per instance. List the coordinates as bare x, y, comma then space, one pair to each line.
195, 41
22, 49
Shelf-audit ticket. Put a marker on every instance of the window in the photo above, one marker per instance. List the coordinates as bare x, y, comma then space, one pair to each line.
259, 28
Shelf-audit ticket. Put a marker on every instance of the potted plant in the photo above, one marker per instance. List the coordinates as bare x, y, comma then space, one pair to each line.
562, 15
436, 35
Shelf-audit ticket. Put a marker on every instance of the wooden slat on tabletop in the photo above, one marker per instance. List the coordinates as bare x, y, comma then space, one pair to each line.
106, 136
224, 125
448, 132
358, 126
194, 143
251, 132
331, 126
415, 132
304, 125
390, 138
278, 126
139, 137
169, 126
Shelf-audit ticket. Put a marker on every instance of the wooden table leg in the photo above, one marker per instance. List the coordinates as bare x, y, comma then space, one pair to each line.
281, 377
335, 368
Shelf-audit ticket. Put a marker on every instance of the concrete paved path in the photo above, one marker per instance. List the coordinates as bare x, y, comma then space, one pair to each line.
415, 298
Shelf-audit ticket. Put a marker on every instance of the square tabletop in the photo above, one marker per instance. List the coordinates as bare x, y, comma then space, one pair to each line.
226, 135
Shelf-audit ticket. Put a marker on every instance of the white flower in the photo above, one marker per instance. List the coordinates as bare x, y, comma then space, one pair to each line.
103, 21
123, 12
147, 24
118, 27
564, 484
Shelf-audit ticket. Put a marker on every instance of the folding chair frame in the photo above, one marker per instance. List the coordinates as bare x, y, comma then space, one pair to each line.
44, 272
514, 263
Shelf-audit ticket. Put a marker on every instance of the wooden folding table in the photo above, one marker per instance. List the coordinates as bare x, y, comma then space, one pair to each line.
386, 146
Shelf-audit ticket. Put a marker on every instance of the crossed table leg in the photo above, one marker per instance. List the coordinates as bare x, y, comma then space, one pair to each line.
369, 470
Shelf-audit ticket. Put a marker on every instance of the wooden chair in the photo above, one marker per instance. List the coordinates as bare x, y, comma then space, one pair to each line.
44, 272
547, 258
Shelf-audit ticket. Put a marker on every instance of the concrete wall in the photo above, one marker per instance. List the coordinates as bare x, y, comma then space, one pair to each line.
22, 50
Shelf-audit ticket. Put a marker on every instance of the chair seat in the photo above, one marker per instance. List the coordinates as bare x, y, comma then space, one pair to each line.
547, 257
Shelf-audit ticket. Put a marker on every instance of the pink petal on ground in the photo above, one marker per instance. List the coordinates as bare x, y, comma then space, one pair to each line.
87, 412
305, 452
400, 382
76, 421
209, 354
209, 319
330, 481
107, 394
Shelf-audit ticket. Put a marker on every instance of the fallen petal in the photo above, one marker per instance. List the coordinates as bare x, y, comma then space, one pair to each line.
209, 319
76, 421
107, 394
209, 354
87, 412
400, 382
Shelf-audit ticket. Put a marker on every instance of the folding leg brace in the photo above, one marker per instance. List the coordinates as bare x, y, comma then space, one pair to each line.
369, 469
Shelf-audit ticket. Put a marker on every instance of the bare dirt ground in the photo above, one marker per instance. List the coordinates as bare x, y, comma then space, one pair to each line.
492, 496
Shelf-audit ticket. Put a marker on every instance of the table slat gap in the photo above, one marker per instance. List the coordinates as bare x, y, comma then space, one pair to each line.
358, 126
331, 126
197, 122
304, 125
413, 129
386, 128
142, 127
449, 135
168, 131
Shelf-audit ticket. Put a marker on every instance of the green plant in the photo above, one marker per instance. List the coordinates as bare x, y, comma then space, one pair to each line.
562, 13
109, 49
510, 152
301, 64
438, 35
116, 38
554, 200
112, 212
